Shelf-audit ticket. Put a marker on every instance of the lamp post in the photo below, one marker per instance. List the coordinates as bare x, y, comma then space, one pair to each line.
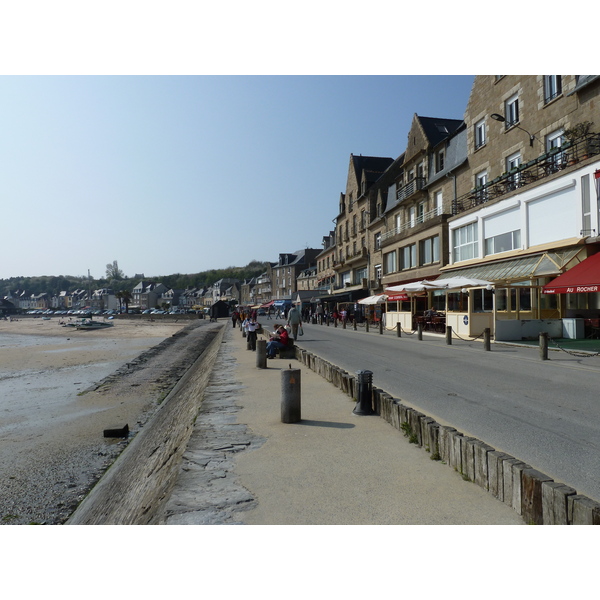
502, 119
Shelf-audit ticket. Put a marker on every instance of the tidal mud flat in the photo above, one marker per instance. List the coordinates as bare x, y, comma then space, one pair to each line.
59, 390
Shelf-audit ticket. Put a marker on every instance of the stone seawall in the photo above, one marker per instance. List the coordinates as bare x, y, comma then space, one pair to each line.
532, 494
135, 488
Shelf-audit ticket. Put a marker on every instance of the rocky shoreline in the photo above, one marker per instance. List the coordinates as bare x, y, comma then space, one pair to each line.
45, 480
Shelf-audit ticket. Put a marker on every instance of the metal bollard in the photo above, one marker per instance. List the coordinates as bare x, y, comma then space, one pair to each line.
261, 354
355, 324
419, 331
543, 346
398, 329
364, 381
290, 396
367, 325
381, 327
343, 323
486, 339
449, 335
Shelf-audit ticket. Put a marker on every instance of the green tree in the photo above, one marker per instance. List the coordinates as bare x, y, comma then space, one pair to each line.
113, 271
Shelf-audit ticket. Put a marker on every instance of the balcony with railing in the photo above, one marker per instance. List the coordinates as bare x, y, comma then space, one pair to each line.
358, 255
546, 165
413, 186
404, 227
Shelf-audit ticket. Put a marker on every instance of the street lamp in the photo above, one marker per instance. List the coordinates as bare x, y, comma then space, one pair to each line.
502, 119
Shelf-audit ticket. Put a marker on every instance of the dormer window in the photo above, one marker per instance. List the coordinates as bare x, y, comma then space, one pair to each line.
439, 161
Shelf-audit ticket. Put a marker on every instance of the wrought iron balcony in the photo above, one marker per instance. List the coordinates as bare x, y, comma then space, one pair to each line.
541, 167
410, 188
410, 224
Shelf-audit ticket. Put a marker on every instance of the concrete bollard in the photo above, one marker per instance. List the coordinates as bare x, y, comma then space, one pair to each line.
364, 382
486, 339
449, 335
290, 396
398, 330
543, 346
261, 354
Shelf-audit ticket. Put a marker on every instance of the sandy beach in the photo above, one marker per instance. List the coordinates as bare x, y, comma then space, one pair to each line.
59, 389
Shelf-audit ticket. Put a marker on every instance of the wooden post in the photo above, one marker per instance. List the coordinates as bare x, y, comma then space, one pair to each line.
449, 335
543, 346
486, 339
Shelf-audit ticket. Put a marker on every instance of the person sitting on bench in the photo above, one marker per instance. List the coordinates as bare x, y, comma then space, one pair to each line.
278, 341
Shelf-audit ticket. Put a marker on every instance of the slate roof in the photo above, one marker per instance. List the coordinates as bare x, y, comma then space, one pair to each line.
437, 130
372, 166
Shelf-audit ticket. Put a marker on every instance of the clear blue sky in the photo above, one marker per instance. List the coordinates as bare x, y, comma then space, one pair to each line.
179, 174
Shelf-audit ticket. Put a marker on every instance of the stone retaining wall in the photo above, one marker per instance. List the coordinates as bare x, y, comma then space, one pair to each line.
535, 496
135, 488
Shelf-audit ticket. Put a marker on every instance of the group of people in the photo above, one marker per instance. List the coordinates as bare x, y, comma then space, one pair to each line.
281, 336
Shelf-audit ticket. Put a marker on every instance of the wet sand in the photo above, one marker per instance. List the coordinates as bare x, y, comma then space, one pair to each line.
53, 410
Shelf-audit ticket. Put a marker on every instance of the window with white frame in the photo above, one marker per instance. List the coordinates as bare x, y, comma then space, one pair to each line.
503, 242
481, 179
502, 231
420, 212
429, 250
378, 271
378, 240
552, 87
512, 162
408, 257
479, 134
389, 262
464, 243
438, 202
511, 111
411, 216
555, 140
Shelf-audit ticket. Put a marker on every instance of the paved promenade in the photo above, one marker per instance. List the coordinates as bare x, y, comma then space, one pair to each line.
244, 466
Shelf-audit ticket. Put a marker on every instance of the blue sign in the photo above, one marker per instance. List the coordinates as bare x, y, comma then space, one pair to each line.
466, 319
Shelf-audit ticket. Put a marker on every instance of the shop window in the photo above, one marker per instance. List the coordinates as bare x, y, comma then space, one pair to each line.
482, 300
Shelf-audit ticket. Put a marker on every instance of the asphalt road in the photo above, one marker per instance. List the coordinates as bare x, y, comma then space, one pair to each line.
546, 413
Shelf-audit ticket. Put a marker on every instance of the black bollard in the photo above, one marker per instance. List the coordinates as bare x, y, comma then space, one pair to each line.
398, 329
381, 327
419, 331
364, 382
354, 325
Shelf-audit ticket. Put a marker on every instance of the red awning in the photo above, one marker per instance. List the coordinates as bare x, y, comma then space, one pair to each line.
584, 277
